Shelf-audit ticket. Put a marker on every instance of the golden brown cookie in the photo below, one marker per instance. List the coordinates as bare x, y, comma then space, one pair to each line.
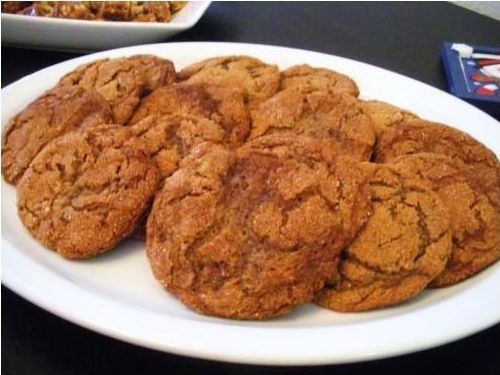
223, 105
85, 192
337, 118
385, 115
167, 139
474, 219
251, 233
257, 80
318, 79
122, 81
58, 111
404, 245
425, 136
158, 72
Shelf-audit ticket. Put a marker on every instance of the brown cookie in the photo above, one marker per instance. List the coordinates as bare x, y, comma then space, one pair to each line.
223, 105
167, 139
404, 245
158, 72
251, 233
85, 191
354, 206
257, 80
318, 79
337, 118
385, 115
122, 81
58, 111
474, 219
423, 136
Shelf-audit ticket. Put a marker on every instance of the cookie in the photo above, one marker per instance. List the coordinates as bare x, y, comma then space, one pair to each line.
58, 111
404, 245
413, 137
158, 72
167, 139
85, 191
223, 105
474, 219
354, 206
385, 115
257, 80
337, 118
122, 81
318, 79
251, 233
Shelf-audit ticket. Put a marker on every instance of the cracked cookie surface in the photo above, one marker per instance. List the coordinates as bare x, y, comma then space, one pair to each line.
158, 72
474, 219
404, 245
385, 115
257, 80
482, 166
318, 79
169, 138
319, 114
122, 81
223, 105
85, 191
253, 232
55, 113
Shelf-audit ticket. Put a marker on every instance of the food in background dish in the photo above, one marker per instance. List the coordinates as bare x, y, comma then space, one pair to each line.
134, 11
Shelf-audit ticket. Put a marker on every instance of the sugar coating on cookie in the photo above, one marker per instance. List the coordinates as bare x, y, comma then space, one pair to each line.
404, 245
251, 233
385, 115
55, 113
122, 81
474, 218
337, 118
158, 72
86, 191
257, 80
223, 105
482, 165
318, 79
169, 138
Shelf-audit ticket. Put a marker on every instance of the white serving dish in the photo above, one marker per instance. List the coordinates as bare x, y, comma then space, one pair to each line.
83, 35
116, 294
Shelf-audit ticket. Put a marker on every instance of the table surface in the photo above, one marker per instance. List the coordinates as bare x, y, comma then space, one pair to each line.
402, 37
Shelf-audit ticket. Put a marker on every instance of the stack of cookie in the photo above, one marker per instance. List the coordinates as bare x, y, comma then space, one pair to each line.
259, 189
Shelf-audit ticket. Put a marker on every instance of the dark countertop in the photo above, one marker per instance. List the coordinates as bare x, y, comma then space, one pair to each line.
402, 37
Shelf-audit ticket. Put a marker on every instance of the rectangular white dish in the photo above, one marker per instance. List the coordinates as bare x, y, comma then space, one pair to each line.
84, 35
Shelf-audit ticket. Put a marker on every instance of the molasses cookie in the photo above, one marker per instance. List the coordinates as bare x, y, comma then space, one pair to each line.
416, 136
318, 79
337, 118
474, 219
257, 80
251, 233
223, 105
85, 192
404, 245
122, 81
158, 72
167, 139
58, 111
385, 115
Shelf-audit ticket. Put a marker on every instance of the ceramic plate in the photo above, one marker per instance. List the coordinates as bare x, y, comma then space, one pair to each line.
116, 294
82, 35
